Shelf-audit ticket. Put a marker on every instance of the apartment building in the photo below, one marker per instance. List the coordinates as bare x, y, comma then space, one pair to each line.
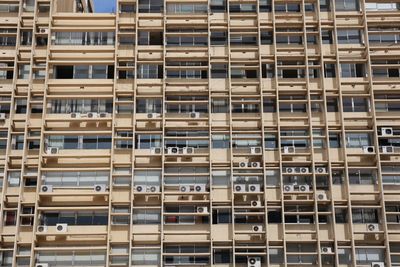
230, 133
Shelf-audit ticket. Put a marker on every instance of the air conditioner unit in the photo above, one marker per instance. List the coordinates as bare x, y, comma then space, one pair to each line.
255, 203
304, 188
44, 30
42, 229
42, 265
368, 149
254, 188
288, 188
52, 150
152, 115
200, 188
322, 196
194, 115
303, 170
377, 264
257, 228
173, 150
61, 227
46, 188
75, 115
92, 115
386, 131
290, 170
155, 150
240, 187
188, 150
387, 149
372, 227
253, 262
103, 114
184, 188
99, 188
255, 150
255, 164
140, 188
202, 209
153, 188
325, 250
320, 170
289, 150
2, 116
243, 164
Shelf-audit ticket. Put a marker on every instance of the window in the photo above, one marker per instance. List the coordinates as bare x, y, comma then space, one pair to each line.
347, 5
10, 217
330, 70
368, 255
334, 140
325, 5
150, 71
220, 105
150, 38
363, 176
218, 6
326, 36
26, 38
151, 6
352, 70
349, 36
355, 104
357, 140
220, 141
218, 38
365, 215
222, 256
267, 38
23, 71
146, 257
219, 71
145, 141
268, 70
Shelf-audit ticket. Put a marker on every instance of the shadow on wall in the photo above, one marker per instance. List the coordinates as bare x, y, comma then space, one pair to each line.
104, 6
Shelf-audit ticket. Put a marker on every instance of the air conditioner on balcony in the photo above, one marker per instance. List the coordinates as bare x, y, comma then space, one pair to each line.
322, 196
99, 188
153, 188
2, 116
44, 30
304, 188
155, 150
325, 250
255, 203
61, 227
290, 170
200, 188
257, 228
240, 187
254, 188
255, 150
288, 188
255, 164
42, 265
289, 150
92, 115
194, 115
103, 114
387, 149
372, 227
202, 209
368, 149
304, 170
377, 264
75, 115
386, 131
242, 164
152, 115
173, 150
188, 150
46, 188
184, 188
320, 170
140, 188
42, 229
253, 262
52, 150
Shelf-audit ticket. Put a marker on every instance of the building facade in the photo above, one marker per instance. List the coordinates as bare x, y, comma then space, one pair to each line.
200, 133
